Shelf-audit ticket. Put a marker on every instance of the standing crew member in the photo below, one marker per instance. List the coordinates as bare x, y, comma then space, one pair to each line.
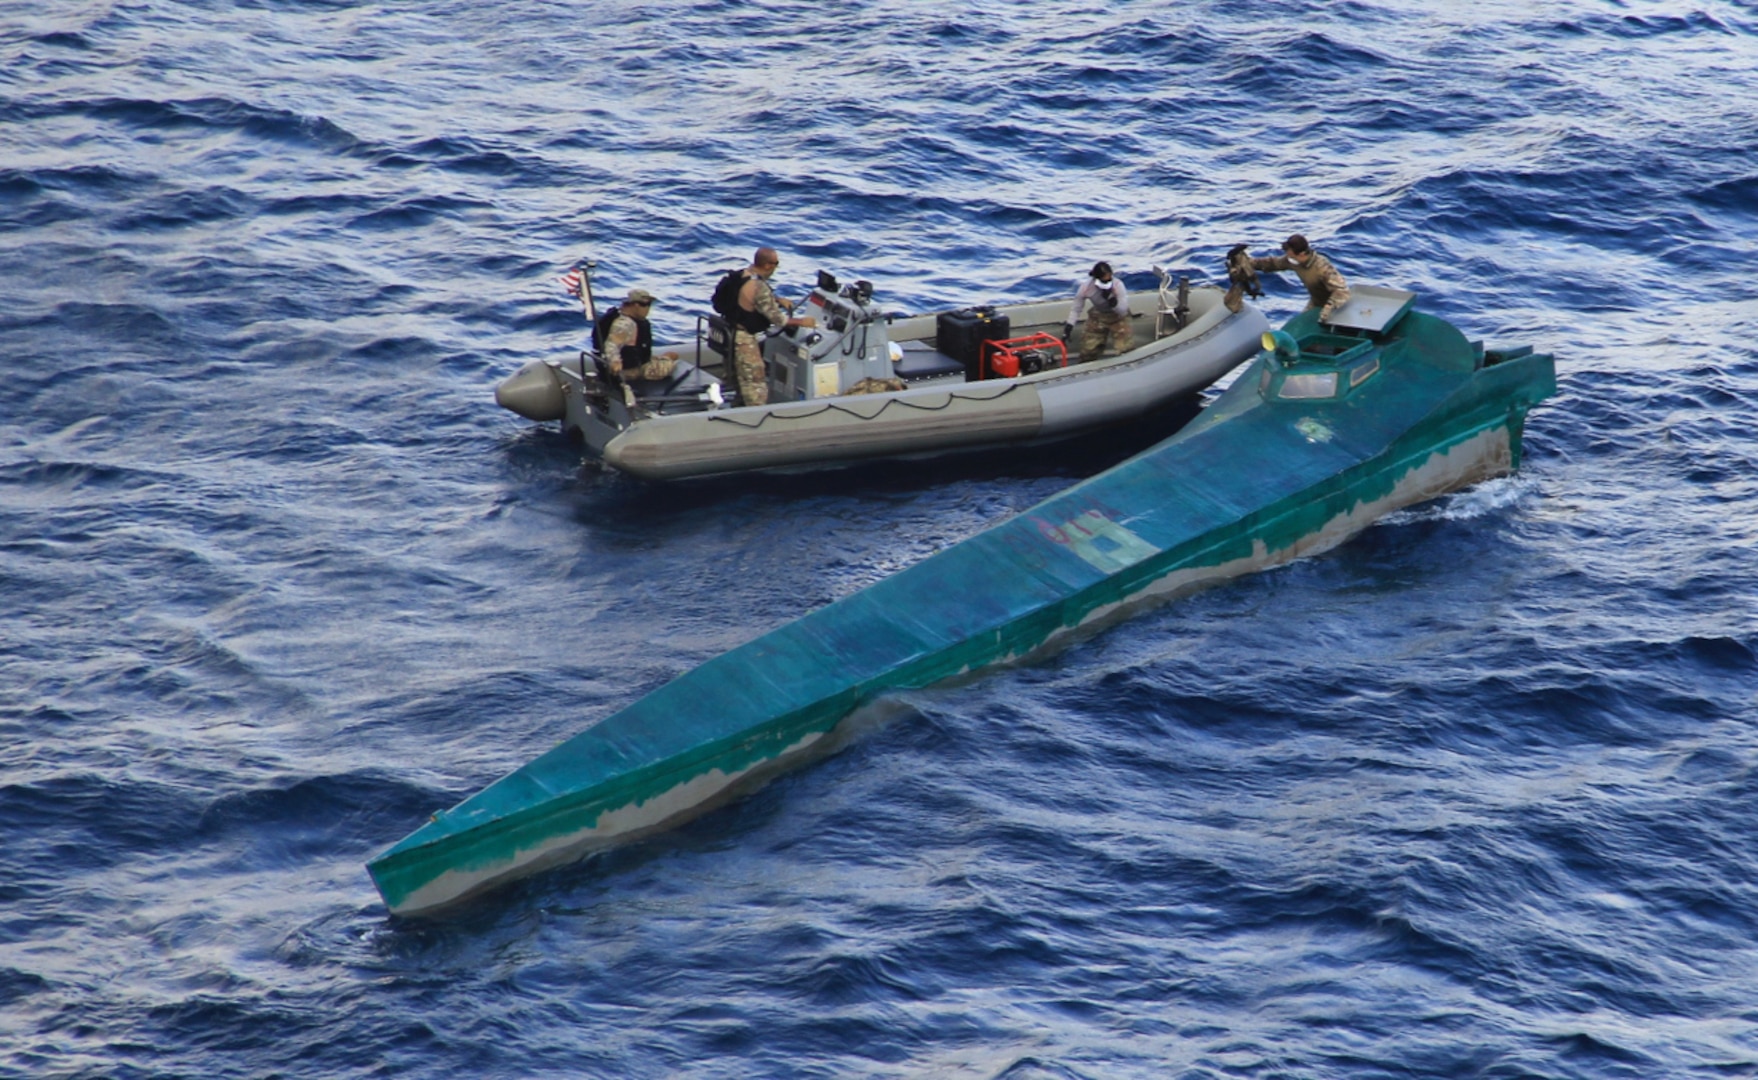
755, 311
1107, 317
1324, 285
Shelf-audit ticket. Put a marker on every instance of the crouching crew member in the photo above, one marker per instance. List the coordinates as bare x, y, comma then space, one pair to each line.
1107, 303
1324, 285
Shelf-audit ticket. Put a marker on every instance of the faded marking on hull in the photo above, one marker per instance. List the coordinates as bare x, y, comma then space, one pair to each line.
1102, 543
455, 885
1477, 458
1469, 461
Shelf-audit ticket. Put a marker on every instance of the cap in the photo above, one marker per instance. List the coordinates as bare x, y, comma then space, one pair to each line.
638, 296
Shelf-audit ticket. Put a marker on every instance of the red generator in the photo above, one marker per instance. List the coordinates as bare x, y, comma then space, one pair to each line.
1023, 356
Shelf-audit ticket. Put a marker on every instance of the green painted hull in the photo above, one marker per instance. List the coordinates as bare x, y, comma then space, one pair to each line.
1256, 480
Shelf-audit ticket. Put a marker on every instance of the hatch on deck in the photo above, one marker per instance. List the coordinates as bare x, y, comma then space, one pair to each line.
1332, 348
1373, 308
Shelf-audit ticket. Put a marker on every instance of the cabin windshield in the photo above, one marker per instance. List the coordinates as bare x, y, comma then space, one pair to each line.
1312, 385
1324, 366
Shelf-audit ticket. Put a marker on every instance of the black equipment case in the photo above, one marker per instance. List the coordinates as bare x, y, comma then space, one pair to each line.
960, 334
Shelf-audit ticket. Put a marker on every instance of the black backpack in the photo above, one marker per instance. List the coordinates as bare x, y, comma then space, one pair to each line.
726, 296
601, 328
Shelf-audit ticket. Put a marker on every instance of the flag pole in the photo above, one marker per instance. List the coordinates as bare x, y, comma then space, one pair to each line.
586, 301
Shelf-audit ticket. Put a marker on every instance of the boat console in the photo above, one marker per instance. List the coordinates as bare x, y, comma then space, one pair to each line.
850, 344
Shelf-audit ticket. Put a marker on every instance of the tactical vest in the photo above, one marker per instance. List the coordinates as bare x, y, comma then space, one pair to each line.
633, 356
726, 304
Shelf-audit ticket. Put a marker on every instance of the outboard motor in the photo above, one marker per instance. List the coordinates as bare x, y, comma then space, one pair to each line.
850, 344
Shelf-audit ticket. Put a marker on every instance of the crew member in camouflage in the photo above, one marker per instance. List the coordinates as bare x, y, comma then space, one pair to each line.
1324, 285
623, 343
758, 302
1107, 316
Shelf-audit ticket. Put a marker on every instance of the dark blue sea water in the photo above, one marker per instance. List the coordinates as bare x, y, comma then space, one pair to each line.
1471, 796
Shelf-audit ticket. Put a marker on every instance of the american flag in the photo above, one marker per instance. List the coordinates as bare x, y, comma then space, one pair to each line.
571, 281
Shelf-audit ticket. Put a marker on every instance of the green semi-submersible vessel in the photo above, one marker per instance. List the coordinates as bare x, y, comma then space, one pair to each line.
1331, 426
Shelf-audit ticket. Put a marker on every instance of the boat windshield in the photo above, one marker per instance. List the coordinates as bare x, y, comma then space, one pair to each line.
1313, 385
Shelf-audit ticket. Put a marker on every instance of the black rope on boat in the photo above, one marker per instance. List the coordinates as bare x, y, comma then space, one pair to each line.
1072, 371
889, 402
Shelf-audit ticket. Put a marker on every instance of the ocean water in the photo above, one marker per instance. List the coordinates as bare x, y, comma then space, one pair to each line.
1470, 796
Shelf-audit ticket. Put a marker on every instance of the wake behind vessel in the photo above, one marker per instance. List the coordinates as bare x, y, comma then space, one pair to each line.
1332, 426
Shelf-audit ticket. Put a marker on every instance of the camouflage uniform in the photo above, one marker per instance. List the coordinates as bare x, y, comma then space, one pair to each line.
753, 380
748, 351
1102, 328
876, 386
1107, 318
1324, 285
624, 332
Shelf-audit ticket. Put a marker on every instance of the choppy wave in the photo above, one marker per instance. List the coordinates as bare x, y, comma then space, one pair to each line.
1471, 795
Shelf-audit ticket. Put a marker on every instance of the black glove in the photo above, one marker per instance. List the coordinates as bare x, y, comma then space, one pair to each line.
1067, 332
